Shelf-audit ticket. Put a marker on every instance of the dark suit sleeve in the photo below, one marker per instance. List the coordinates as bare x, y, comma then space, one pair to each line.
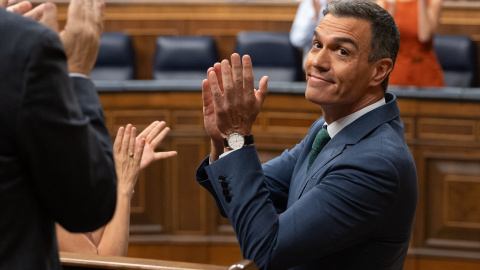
65, 141
202, 179
278, 173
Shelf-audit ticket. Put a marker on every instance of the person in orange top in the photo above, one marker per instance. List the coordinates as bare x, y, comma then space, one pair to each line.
416, 64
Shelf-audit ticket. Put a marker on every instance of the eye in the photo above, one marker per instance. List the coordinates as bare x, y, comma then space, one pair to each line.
342, 52
317, 45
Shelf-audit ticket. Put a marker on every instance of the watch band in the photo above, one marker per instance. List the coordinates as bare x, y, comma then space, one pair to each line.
248, 139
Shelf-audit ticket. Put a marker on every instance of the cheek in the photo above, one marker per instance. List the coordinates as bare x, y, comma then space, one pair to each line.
308, 68
310, 59
349, 76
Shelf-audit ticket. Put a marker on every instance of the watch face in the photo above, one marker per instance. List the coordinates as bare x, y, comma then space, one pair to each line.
236, 141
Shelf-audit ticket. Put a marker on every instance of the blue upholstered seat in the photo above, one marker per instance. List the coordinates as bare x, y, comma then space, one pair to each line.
458, 57
116, 59
272, 55
184, 57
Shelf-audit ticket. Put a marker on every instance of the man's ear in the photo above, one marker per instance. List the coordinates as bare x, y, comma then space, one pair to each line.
383, 67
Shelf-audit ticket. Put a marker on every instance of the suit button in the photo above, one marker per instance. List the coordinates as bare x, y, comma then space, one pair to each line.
226, 192
224, 184
228, 198
221, 178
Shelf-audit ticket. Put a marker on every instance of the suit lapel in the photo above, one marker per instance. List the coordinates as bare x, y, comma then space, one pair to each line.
350, 135
332, 149
299, 180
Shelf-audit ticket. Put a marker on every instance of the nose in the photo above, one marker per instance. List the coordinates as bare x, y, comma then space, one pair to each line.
320, 59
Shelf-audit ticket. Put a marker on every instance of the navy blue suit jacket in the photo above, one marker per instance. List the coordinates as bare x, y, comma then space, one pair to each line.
56, 161
353, 209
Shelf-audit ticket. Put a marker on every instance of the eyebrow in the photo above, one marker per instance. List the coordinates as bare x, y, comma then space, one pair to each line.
339, 39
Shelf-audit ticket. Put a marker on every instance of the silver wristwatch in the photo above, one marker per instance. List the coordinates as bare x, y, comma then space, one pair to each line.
237, 140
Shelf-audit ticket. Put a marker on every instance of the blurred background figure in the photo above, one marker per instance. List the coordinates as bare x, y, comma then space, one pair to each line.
417, 21
309, 14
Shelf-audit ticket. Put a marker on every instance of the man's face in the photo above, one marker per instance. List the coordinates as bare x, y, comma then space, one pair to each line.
337, 69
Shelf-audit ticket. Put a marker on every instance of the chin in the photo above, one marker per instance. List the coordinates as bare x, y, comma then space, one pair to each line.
321, 94
313, 95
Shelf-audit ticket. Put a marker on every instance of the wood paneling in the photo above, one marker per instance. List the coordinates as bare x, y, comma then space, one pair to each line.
453, 206
447, 129
415, 263
188, 198
219, 254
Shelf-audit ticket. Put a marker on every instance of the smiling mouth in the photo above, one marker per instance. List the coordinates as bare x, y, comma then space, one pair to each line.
319, 79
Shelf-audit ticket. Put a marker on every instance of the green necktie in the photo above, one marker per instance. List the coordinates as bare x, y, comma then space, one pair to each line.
320, 141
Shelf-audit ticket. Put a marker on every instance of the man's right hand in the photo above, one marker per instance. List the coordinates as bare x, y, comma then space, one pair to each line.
209, 113
81, 36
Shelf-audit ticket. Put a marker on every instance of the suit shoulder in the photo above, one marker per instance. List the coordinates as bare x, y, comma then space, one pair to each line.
387, 143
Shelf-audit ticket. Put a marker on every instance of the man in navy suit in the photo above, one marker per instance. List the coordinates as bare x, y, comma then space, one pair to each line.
56, 162
353, 206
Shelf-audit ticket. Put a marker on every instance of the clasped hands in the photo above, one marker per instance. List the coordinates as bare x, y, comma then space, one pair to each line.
82, 32
230, 101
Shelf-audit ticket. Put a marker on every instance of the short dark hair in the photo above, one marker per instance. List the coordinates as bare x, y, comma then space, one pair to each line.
385, 40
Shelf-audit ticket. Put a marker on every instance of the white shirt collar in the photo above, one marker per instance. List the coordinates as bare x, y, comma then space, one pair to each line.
335, 127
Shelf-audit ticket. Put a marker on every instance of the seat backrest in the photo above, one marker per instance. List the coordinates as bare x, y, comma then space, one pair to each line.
458, 57
116, 58
184, 57
272, 54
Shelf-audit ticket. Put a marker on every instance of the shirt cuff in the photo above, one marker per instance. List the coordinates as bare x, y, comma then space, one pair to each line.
222, 155
78, 75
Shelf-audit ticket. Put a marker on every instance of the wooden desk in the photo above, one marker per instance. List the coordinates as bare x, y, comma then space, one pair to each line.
75, 261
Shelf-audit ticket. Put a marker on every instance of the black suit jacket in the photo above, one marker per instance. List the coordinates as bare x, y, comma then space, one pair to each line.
56, 162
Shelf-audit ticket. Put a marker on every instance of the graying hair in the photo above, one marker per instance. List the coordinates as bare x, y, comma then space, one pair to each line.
385, 40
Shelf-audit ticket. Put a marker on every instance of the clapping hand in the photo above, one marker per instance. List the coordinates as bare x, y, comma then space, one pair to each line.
127, 153
44, 13
230, 102
153, 135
